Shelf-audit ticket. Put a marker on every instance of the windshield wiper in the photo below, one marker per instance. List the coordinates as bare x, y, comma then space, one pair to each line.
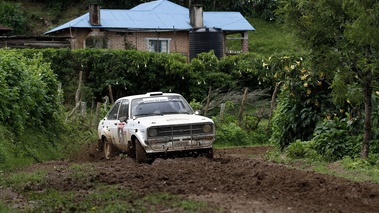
143, 114
170, 113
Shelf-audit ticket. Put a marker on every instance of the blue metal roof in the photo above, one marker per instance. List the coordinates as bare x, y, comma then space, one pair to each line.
161, 6
158, 15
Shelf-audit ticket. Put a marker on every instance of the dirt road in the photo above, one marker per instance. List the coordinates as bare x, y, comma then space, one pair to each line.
236, 179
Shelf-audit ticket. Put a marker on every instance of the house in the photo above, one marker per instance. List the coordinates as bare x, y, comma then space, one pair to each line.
157, 26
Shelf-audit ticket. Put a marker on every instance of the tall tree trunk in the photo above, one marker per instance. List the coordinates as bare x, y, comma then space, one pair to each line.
367, 90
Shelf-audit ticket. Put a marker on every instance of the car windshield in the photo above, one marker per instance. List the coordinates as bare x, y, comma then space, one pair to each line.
161, 105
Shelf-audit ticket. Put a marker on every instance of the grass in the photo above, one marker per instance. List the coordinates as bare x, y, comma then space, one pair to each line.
111, 198
352, 169
271, 38
20, 180
81, 172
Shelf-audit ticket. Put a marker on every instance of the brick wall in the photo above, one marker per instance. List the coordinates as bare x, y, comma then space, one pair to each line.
179, 41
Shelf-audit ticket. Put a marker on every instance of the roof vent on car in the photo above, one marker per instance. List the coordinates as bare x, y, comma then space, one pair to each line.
154, 93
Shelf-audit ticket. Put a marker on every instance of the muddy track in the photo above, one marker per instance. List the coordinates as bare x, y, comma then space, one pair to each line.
236, 179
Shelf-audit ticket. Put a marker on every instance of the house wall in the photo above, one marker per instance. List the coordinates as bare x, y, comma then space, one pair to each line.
78, 36
179, 41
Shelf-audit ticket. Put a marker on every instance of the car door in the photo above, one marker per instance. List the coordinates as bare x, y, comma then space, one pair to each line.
111, 122
117, 129
122, 125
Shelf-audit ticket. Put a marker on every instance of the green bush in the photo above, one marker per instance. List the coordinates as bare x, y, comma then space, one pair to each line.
31, 113
259, 135
126, 71
231, 134
301, 149
133, 72
333, 139
12, 16
28, 92
302, 103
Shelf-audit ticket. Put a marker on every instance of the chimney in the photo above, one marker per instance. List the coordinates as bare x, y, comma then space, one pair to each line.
94, 14
196, 16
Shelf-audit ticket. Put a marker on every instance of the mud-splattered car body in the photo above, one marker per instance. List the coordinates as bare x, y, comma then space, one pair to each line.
155, 125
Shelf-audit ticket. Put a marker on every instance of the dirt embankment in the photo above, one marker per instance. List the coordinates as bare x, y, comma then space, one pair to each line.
236, 179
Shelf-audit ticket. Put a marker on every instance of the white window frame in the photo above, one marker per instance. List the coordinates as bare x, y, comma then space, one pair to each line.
168, 40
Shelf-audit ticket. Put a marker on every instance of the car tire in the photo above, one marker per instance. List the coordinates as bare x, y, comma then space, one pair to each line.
100, 145
209, 154
150, 161
109, 150
140, 153
131, 152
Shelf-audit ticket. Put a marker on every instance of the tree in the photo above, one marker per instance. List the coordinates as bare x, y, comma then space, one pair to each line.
342, 37
12, 15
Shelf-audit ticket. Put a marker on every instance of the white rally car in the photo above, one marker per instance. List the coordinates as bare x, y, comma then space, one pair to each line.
155, 125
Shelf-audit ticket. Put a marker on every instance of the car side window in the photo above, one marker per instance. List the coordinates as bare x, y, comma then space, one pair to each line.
112, 115
124, 109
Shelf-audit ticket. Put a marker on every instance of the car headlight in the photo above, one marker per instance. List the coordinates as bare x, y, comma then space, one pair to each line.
153, 132
207, 128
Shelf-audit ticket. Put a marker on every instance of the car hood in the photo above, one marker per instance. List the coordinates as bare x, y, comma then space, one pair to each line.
173, 119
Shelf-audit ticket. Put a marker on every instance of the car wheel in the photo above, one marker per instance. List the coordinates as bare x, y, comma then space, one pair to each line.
131, 152
100, 145
150, 161
209, 154
109, 150
140, 153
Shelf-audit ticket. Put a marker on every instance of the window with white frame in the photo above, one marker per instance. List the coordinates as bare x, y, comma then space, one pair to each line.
161, 45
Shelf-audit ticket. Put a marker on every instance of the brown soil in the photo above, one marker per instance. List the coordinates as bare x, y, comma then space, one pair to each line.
237, 179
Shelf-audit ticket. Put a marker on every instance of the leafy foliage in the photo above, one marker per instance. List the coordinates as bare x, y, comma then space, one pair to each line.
335, 139
302, 102
332, 30
13, 16
133, 72
300, 149
228, 133
31, 124
29, 92
231, 135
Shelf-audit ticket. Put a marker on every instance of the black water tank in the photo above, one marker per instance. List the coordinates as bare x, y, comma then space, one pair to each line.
205, 40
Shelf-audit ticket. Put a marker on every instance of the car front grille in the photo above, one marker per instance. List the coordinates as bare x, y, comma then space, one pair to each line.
180, 130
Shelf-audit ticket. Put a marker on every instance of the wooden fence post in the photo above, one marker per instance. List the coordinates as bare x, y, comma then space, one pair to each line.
106, 103
208, 101
77, 97
97, 116
273, 103
83, 109
240, 115
222, 111
111, 94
